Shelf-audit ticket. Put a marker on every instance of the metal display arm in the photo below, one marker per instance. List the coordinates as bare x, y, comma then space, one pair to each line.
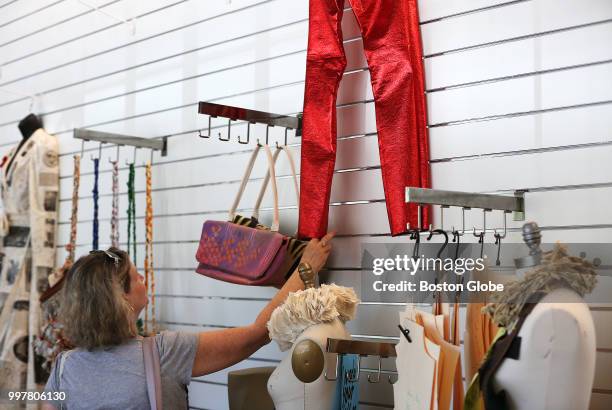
250, 117
155, 144
468, 200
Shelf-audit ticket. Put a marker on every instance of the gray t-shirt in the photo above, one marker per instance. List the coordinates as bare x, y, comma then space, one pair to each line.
114, 377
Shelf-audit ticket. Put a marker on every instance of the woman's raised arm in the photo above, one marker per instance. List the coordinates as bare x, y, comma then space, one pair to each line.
219, 349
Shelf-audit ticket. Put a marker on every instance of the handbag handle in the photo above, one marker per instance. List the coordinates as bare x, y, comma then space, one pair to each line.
245, 179
152, 372
267, 178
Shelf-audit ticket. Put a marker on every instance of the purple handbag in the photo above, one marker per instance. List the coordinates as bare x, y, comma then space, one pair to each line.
241, 254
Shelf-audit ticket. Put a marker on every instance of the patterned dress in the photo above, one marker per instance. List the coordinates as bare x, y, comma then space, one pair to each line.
30, 187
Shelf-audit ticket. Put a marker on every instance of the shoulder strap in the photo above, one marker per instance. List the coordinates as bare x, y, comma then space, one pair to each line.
152, 372
264, 186
245, 179
62, 357
267, 178
62, 360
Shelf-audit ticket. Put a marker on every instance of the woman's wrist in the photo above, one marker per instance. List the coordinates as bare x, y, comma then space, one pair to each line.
311, 264
260, 330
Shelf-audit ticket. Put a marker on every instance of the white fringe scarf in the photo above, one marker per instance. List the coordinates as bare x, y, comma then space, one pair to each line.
310, 307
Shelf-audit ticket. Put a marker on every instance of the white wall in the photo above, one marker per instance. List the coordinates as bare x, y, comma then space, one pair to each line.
519, 98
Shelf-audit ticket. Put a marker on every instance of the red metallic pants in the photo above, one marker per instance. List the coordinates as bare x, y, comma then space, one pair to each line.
392, 43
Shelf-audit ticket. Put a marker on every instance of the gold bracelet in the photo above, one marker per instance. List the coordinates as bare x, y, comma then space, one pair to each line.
306, 274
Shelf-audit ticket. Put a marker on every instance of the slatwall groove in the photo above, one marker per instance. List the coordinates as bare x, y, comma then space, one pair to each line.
490, 231
517, 76
158, 60
180, 80
477, 10
14, 80
552, 32
182, 27
42, 29
288, 179
433, 90
8, 3
6, 23
367, 168
63, 43
518, 38
520, 114
368, 101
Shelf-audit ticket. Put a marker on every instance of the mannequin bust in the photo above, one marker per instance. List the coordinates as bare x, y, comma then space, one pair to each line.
289, 393
555, 367
302, 326
556, 364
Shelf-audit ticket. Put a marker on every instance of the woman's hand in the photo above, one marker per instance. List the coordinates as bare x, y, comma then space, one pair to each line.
317, 251
222, 348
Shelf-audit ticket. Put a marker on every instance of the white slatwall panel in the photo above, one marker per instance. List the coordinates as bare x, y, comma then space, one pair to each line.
519, 97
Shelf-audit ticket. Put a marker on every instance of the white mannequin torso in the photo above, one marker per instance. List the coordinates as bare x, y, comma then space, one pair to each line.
556, 365
287, 392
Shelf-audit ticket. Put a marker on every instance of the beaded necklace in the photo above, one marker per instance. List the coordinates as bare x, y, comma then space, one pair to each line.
131, 215
148, 264
76, 181
114, 237
96, 196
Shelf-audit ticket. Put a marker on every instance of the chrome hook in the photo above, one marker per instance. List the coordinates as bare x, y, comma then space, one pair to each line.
99, 152
484, 225
134, 160
442, 207
336, 375
286, 130
267, 135
498, 235
498, 239
370, 379
116, 157
82, 148
457, 233
356, 378
229, 131
209, 123
248, 134
482, 234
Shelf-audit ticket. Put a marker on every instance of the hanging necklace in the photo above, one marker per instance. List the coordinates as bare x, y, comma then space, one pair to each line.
96, 196
76, 181
115, 206
131, 215
149, 273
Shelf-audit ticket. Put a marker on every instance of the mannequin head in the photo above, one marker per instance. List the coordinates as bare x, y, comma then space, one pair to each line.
29, 125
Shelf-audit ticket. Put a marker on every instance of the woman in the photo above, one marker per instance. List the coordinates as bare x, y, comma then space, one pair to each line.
102, 298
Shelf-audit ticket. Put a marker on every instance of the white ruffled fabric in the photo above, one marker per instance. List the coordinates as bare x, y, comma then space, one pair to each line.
309, 307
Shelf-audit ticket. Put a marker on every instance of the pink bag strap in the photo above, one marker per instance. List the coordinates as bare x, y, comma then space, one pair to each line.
245, 179
152, 372
267, 178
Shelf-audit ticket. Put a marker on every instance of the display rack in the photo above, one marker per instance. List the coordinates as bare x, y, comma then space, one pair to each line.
382, 350
155, 144
250, 117
469, 200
